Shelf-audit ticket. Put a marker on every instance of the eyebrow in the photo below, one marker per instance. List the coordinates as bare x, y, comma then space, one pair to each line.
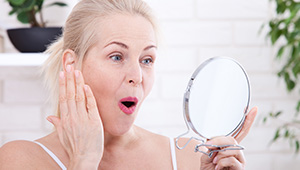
126, 47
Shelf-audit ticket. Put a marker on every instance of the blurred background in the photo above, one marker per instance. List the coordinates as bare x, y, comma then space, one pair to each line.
191, 32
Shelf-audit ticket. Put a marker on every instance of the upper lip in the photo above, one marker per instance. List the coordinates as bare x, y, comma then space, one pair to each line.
130, 99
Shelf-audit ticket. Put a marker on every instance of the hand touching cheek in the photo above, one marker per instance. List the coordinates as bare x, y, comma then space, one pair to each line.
80, 127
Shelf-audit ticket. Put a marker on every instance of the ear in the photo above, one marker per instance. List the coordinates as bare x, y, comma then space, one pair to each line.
69, 58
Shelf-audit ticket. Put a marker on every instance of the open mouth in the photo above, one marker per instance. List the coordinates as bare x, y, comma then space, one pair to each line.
128, 104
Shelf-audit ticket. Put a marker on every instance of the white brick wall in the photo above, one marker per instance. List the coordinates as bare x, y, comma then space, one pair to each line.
173, 10
34, 94
192, 31
232, 9
246, 33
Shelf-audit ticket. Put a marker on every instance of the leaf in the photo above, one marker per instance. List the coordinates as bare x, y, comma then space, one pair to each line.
277, 114
280, 51
297, 23
24, 17
296, 69
275, 34
281, 7
16, 2
265, 119
297, 146
281, 73
261, 28
277, 135
287, 133
28, 5
286, 78
14, 10
39, 4
272, 24
289, 19
290, 84
298, 106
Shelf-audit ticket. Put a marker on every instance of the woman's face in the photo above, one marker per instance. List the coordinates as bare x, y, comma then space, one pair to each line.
120, 69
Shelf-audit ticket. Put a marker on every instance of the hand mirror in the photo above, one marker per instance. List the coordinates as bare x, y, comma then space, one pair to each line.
216, 102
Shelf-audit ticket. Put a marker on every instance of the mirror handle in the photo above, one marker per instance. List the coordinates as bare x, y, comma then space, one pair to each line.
220, 148
177, 138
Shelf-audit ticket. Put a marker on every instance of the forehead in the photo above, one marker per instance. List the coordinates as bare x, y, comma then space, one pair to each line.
126, 28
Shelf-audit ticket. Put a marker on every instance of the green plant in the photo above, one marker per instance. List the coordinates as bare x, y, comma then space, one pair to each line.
26, 11
285, 32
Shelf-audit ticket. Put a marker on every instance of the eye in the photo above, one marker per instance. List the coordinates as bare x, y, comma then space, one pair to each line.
116, 57
147, 61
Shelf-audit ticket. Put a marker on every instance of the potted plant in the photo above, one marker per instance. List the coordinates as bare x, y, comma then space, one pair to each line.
38, 36
284, 30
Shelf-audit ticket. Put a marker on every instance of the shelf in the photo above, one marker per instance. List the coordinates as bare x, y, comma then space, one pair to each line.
22, 59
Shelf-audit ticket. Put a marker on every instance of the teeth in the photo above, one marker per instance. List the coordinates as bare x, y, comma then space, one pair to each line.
128, 104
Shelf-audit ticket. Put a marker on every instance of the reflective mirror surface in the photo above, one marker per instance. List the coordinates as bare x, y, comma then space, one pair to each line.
217, 98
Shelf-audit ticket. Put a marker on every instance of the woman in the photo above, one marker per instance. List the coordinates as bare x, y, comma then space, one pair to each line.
100, 72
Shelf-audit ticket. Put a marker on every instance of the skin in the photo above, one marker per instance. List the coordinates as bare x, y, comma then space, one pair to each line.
93, 133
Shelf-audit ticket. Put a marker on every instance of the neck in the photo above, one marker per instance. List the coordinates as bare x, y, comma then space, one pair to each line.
124, 141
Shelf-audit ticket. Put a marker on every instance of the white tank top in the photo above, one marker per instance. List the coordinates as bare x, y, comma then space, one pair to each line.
63, 167
54, 157
173, 153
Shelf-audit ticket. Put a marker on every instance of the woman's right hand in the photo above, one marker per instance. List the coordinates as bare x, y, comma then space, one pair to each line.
79, 128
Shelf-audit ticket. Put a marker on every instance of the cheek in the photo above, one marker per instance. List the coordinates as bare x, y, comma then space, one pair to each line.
94, 77
100, 82
148, 82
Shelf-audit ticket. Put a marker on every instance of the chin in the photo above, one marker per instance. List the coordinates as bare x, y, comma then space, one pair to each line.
118, 123
118, 129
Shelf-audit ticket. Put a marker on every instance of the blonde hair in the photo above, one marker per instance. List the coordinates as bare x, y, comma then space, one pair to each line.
79, 36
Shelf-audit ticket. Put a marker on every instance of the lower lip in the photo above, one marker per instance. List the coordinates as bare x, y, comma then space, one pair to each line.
127, 110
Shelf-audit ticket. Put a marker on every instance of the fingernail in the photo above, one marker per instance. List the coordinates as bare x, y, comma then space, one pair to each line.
86, 87
50, 120
68, 68
215, 160
76, 73
62, 75
216, 167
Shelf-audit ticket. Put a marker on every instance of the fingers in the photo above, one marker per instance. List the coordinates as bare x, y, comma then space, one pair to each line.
63, 106
70, 91
237, 154
80, 94
76, 131
233, 159
219, 141
91, 103
229, 163
247, 125
222, 140
76, 99
54, 120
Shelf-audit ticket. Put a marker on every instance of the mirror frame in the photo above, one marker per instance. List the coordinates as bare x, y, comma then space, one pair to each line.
186, 112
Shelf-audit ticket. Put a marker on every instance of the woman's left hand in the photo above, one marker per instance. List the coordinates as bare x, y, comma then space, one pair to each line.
229, 159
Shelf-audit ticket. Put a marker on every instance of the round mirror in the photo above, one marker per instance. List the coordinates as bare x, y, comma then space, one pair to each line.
217, 98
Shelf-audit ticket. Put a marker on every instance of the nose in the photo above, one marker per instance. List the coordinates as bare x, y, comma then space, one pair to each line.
134, 74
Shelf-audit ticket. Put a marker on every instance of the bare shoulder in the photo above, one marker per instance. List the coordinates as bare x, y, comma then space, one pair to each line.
150, 136
187, 158
19, 155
